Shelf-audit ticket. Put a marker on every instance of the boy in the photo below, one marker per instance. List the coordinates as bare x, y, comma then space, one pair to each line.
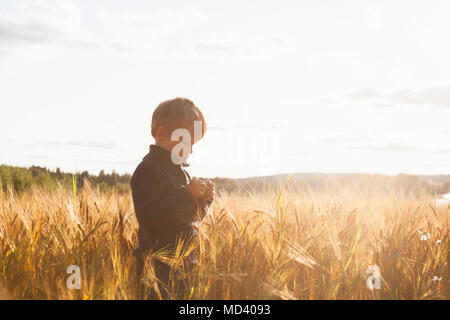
165, 198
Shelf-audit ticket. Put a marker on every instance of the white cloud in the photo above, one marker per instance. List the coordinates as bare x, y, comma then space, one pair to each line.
437, 96
235, 45
139, 31
392, 146
365, 93
76, 143
33, 26
344, 139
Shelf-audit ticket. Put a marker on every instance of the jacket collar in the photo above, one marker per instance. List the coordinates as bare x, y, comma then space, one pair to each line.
162, 156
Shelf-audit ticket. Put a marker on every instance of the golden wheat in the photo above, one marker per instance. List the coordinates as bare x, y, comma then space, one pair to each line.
272, 244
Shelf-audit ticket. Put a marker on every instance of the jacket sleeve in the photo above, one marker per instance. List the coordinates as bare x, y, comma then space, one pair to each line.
157, 205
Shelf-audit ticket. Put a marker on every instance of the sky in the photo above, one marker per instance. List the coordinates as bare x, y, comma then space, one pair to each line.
285, 86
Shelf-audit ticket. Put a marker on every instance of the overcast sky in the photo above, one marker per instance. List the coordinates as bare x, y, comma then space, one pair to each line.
285, 86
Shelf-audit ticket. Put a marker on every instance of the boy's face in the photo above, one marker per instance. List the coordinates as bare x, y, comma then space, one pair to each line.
190, 150
163, 139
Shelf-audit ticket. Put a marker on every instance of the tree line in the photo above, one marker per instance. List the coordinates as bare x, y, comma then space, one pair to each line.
20, 179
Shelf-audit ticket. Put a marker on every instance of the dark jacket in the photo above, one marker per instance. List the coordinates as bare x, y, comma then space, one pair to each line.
164, 208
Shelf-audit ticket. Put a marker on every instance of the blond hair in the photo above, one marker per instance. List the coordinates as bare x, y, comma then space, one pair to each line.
176, 113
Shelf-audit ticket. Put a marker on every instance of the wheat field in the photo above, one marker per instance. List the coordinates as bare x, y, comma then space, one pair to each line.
276, 243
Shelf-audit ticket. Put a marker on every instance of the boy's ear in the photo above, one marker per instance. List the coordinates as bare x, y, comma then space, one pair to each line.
162, 133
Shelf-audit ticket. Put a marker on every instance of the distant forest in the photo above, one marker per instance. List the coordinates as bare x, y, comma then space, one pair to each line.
21, 179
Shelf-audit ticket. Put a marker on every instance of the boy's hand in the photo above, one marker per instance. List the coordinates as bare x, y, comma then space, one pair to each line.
202, 189
197, 188
209, 192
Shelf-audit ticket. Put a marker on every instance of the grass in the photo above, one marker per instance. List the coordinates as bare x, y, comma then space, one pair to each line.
277, 243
